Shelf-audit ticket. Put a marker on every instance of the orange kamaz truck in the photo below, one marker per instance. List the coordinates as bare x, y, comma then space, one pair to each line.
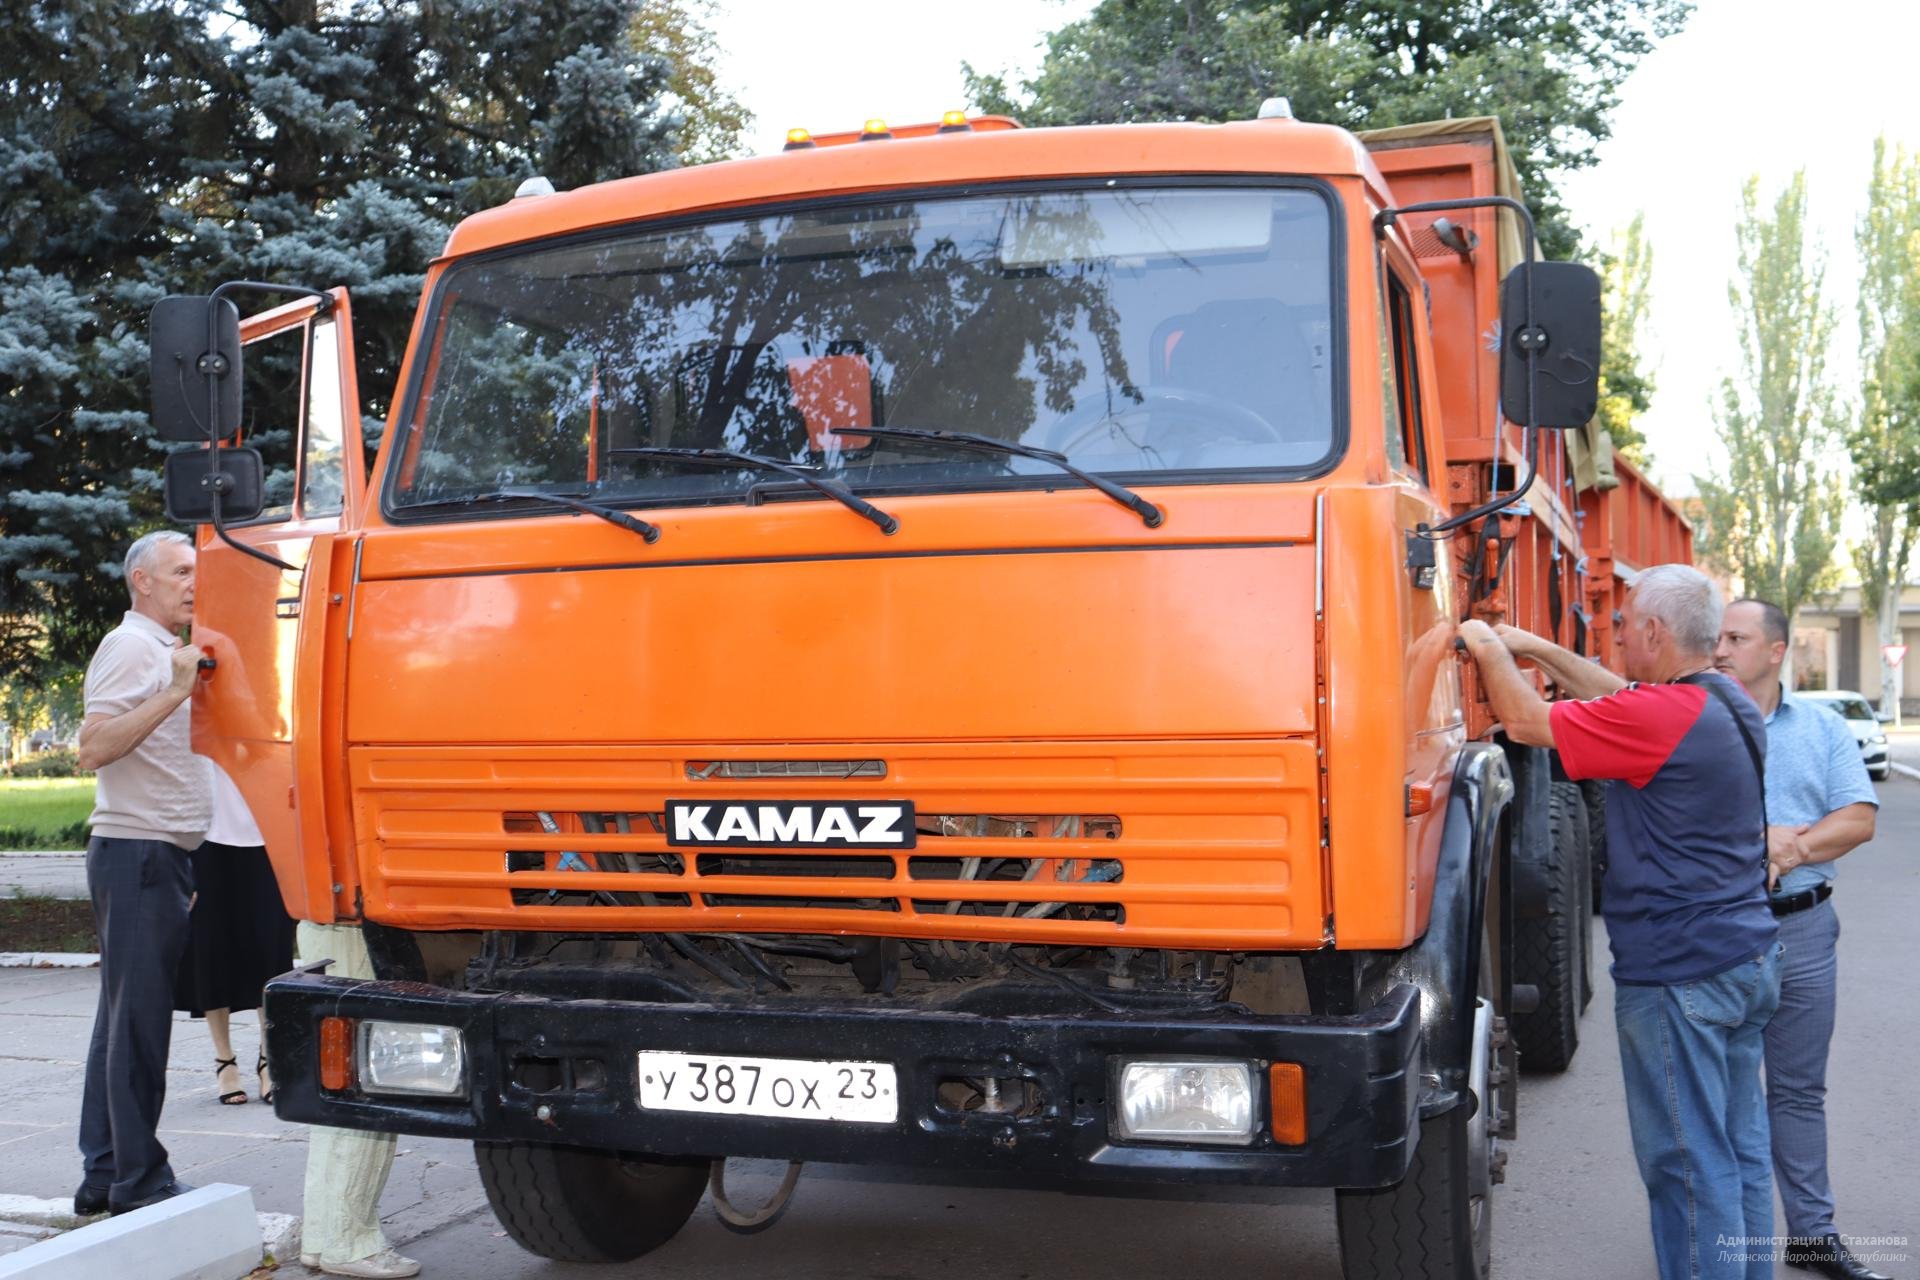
931, 648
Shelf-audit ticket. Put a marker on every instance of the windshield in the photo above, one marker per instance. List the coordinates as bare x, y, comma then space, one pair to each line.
1848, 708
1156, 333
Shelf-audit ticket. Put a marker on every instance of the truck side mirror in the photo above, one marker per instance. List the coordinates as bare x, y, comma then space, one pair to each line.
1564, 337
196, 384
191, 483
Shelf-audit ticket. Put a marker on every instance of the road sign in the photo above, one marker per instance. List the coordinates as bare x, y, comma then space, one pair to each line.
1893, 653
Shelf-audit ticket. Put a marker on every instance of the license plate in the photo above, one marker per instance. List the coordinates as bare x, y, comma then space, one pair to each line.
779, 1088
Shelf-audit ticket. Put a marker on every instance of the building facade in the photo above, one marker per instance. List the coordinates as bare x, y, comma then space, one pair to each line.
1836, 645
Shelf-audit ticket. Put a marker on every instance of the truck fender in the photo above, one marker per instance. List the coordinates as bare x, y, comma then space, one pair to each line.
1445, 963
1530, 832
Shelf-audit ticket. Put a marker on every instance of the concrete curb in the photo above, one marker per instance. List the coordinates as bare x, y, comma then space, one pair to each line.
1906, 769
210, 1233
49, 960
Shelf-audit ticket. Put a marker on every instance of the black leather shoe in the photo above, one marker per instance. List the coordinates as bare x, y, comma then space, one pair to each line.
168, 1192
89, 1200
1828, 1255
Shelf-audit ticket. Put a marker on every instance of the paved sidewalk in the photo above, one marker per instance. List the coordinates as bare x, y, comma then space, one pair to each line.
53, 874
46, 1016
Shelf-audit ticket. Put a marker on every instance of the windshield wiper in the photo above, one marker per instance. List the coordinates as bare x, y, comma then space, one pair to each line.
1148, 513
734, 458
574, 502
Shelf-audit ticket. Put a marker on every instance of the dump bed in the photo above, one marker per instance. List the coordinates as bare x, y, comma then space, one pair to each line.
1556, 563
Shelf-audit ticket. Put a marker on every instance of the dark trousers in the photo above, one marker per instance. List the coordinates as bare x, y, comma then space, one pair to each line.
141, 892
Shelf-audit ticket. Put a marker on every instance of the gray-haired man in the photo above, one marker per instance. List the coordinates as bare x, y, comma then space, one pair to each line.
153, 799
1695, 951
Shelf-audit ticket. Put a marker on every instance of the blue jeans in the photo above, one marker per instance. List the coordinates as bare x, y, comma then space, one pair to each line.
1691, 1054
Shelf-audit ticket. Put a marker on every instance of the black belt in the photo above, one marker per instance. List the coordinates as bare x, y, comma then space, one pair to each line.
1787, 903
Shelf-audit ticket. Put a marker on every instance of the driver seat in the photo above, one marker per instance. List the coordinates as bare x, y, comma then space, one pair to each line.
1258, 352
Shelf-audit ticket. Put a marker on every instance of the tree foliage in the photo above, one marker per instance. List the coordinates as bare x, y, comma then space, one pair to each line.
1626, 385
1773, 510
150, 147
1885, 442
1550, 69
713, 121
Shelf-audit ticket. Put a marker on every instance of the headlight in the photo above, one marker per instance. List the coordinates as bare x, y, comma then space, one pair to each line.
412, 1058
1878, 740
1186, 1100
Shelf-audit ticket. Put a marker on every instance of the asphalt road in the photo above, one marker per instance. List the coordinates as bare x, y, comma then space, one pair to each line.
1572, 1204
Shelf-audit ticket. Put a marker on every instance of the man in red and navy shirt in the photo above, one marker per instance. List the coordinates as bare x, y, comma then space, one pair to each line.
1695, 951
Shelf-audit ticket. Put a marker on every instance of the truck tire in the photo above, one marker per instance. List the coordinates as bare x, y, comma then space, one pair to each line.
1549, 950
1437, 1222
572, 1204
1595, 794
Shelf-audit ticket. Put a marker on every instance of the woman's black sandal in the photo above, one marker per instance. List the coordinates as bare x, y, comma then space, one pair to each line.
233, 1097
260, 1069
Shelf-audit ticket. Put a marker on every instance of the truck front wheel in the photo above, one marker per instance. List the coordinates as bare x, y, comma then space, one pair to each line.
577, 1205
1437, 1222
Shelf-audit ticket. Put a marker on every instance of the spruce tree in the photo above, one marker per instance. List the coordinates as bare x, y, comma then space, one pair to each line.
151, 147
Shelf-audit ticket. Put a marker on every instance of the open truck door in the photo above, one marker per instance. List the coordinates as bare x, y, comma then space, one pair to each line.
280, 385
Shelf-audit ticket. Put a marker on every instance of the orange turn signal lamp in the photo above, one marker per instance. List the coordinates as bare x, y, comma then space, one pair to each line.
336, 1054
876, 129
1287, 1098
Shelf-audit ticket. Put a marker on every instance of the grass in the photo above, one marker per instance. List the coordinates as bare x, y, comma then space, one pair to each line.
33, 923
44, 813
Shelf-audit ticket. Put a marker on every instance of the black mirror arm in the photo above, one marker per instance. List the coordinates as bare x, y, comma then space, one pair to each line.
215, 368
1386, 218
214, 365
217, 486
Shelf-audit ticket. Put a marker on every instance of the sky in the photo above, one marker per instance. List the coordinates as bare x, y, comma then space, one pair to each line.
1749, 87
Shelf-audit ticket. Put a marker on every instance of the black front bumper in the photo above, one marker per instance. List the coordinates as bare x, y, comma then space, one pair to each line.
1362, 1080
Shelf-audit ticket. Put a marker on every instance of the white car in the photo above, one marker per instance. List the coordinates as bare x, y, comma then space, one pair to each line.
1861, 718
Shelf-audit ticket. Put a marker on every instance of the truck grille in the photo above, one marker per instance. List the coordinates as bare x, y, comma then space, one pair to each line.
822, 868
1207, 844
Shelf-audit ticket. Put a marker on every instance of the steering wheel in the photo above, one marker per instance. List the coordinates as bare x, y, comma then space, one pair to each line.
1172, 407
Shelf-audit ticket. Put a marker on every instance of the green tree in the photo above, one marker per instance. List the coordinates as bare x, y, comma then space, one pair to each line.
712, 121
1885, 443
49, 704
1773, 509
150, 147
1626, 385
1550, 69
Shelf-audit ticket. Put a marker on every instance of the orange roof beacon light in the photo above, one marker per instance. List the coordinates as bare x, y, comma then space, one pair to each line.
955, 122
874, 130
798, 140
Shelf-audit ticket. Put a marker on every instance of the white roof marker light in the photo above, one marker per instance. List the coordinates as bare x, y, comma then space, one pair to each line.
1276, 109
537, 185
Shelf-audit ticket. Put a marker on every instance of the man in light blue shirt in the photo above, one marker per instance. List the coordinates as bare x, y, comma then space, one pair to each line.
1820, 805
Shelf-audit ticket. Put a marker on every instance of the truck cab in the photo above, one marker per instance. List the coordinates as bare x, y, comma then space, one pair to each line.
934, 647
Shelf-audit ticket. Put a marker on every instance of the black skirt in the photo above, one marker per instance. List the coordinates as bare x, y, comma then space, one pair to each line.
240, 933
